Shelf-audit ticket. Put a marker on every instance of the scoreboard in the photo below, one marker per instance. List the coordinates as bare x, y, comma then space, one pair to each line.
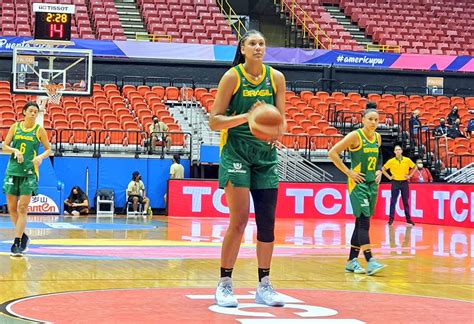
53, 21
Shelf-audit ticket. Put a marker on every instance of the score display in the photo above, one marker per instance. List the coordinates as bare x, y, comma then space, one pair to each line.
53, 21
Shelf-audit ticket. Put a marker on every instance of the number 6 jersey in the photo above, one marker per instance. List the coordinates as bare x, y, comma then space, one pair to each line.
27, 142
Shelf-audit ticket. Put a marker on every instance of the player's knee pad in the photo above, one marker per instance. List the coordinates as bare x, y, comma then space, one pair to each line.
364, 225
264, 201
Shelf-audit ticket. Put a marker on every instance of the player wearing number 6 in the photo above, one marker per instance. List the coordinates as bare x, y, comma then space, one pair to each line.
363, 181
21, 176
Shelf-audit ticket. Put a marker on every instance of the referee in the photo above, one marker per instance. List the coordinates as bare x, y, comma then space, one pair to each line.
402, 169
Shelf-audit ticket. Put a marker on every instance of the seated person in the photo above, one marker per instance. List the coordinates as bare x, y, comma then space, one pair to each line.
470, 127
136, 192
453, 115
77, 203
456, 130
157, 128
441, 129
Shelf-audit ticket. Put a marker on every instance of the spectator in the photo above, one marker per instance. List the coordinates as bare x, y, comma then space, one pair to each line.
453, 115
414, 125
136, 193
421, 174
470, 126
456, 130
77, 203
442, 129
157, 129
176, 169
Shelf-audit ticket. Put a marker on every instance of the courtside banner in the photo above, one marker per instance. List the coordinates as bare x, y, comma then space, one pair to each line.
441, 204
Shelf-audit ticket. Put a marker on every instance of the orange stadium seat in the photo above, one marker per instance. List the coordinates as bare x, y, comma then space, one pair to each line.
172, 93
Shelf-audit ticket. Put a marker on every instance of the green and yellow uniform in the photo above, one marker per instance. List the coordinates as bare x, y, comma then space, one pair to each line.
364, 159
245, 160
22, 178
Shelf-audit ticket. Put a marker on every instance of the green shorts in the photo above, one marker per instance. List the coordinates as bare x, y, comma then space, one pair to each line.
247, 165
363, 198
20, 186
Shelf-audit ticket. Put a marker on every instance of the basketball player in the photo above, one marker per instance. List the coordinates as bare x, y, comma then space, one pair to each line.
363, 182
21, 176
247, 163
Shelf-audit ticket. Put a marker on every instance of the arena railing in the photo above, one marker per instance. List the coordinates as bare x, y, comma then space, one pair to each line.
104, 79
74, 140
296, 142
158, 81
319, 146
181, 143
458, 161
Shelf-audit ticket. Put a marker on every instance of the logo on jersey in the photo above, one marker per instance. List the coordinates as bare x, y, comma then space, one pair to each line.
365, 203
237, 168
9, 181
257, 93
25, 138
371, 149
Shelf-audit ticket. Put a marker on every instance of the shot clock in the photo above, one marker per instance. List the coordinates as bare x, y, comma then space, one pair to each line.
53, 21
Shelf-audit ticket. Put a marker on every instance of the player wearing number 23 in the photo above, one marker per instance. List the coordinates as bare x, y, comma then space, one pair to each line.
363, 182
21, 177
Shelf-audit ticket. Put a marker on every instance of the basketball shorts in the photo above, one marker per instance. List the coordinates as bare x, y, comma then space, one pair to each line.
248, 165
20, 186
363, 198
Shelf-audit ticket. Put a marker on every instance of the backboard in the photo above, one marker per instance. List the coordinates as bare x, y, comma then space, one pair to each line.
37, 67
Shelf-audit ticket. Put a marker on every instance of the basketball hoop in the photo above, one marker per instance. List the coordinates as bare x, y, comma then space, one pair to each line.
54, 93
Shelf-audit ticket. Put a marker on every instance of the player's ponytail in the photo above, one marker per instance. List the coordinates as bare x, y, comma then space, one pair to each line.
239, 57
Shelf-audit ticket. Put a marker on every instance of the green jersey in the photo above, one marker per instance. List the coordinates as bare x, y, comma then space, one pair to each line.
27, 142
364, 157
246, 93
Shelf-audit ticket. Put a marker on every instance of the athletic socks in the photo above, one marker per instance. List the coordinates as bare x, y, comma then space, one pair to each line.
368, 254
354, 252
226, 272
263, 273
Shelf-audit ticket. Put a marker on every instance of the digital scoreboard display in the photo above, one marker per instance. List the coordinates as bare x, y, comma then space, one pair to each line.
53, 21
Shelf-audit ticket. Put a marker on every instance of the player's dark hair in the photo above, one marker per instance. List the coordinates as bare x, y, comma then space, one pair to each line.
239, 58
398, 145
371, 105
28, 105
370, 110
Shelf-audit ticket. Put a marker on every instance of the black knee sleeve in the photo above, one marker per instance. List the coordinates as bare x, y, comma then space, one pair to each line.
264, 201
364, 226
355, 234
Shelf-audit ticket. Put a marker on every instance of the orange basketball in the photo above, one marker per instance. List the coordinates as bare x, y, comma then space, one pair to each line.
265, 122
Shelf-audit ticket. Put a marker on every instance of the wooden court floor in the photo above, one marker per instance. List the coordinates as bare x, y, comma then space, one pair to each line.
180, 257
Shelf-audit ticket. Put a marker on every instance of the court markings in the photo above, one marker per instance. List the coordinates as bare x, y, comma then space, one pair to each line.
196, 305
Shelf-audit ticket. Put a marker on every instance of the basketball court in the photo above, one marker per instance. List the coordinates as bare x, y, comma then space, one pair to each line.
165, 270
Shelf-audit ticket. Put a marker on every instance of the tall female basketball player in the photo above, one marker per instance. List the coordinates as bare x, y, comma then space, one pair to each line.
247, 163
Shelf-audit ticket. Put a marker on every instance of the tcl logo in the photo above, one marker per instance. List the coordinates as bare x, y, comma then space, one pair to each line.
429, 203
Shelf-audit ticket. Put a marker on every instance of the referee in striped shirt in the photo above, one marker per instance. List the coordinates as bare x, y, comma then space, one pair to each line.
402, 169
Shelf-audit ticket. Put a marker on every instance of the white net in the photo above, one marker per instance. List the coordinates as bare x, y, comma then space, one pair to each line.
54, 92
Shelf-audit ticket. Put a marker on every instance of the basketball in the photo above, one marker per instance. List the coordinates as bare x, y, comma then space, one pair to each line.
265, 122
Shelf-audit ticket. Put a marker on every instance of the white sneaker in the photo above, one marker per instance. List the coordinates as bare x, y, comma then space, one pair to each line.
267, 295
75, 213
224, 293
